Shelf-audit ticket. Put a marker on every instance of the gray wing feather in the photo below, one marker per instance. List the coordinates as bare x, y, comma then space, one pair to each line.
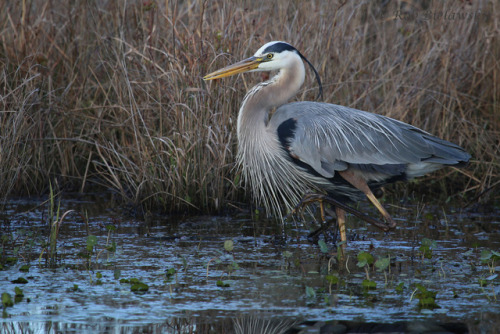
328, 137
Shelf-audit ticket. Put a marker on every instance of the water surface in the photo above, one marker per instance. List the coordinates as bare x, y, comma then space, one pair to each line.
196, 285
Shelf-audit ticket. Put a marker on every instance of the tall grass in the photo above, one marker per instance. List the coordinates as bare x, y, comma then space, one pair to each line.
110, 93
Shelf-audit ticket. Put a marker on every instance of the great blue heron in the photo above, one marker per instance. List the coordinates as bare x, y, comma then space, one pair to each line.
321, 147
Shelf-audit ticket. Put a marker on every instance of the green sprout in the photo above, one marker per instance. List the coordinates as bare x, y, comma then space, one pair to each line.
426, 298
364, 260
426, 248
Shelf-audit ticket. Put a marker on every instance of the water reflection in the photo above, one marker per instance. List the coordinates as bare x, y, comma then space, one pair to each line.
249, 325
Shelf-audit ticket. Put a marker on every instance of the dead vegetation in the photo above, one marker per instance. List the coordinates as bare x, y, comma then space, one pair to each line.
110, 93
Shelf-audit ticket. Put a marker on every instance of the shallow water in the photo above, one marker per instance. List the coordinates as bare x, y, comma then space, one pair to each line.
267, 280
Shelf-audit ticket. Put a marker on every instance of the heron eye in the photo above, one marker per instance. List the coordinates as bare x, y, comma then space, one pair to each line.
270, 56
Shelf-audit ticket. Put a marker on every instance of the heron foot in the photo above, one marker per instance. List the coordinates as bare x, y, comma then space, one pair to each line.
321, 198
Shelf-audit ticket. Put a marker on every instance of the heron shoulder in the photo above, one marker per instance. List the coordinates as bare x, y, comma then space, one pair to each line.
308, 111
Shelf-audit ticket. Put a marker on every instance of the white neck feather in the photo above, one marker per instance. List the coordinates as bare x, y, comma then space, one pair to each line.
259, 152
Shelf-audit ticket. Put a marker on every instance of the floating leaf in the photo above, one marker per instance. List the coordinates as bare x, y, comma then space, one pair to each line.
429, 243
222, 284
482, 282
427, 302
74, 288
229, 245
91, 242
486, 255
369, 285
111, 227
7, 300
489, 255
24, 268
332, 279
20, 280
170, 272
426, 247
310, 293
322, 246
469, 252
18, 291
139, 287
364, 258
399, 288
497, 254
117, 273
426, 298
382, 264
426, 251
112, 247
235, 265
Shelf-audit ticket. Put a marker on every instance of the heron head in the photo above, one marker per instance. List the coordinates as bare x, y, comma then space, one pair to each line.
271, 56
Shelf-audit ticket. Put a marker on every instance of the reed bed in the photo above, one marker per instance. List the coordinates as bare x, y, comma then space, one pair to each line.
110, 93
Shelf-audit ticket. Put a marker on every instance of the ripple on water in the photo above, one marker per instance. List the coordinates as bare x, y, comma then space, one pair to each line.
264, 275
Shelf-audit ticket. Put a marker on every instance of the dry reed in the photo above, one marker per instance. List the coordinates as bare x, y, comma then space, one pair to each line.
110, 93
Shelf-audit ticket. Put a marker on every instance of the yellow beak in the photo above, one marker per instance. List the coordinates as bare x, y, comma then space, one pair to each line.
240, 67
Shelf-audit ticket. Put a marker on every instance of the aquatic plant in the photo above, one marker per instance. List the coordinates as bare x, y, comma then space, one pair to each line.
55, 220
426, 248
136, 285
365, 259
20, 280
139, 287
7, 300
490, 257
92, 248
310, 293
382, 264
169, 274
226, 256
426, 298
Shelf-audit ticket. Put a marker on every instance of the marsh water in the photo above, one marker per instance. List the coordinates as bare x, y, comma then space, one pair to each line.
108, 272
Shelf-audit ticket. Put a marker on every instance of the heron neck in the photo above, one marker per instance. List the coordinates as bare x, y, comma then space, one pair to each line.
259, 146
258, 102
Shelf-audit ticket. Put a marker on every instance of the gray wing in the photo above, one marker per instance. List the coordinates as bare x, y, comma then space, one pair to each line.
330, 137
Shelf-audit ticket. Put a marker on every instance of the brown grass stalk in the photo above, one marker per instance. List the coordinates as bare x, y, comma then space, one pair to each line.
99, 94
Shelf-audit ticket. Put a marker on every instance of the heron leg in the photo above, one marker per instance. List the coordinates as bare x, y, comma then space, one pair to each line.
308, 199
341, 223
315, 197
340, 213
325, 225
340, 209
360, 184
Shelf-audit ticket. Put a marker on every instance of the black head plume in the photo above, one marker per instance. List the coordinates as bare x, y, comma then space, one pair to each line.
318, 79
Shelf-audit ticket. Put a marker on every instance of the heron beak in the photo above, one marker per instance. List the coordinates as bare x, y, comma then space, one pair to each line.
240, 67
